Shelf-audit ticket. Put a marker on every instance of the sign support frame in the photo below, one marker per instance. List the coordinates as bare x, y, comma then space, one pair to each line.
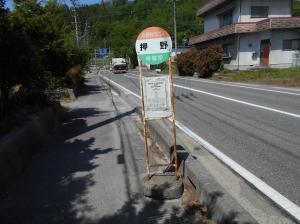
144, 119
145, 124
173, 118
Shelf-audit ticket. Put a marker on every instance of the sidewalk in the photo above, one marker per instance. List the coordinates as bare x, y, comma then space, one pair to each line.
91, 170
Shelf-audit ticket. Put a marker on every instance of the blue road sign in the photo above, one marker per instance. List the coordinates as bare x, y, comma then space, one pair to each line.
103, 52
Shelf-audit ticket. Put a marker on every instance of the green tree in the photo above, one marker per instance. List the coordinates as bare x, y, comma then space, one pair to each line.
35, 47
118, 24
17, 54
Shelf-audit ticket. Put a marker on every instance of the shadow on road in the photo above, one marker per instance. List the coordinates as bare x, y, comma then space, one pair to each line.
55, 187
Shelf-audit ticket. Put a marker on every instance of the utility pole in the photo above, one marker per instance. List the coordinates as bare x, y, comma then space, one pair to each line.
175, 27
74, 3
86, 33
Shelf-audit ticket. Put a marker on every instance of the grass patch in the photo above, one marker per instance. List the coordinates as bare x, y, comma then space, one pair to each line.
282, 77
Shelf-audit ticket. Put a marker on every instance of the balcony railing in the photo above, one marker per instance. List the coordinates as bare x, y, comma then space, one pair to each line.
251, 27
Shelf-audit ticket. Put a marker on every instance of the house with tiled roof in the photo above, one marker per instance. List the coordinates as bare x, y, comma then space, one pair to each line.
253, 33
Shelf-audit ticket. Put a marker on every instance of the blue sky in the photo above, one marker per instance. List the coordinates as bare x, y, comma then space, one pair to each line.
9, 2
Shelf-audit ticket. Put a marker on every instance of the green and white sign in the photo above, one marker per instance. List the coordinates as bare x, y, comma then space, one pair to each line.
153, 46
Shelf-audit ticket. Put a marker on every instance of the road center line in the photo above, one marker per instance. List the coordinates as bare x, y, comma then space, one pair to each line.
283, 202
234, 100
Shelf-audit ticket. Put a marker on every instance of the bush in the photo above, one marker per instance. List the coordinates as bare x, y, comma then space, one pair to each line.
186, 63
51, 81
205, 62
75, 75
209, 60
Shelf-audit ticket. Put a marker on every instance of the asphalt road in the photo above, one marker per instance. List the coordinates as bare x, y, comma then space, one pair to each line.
255, 125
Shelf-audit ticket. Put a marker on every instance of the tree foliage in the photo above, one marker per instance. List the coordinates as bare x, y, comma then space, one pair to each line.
186, 62
205, 61
36, 51
117, 25
209, 60
296, 8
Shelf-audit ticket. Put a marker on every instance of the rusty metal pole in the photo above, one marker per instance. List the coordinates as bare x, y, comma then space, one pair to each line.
173, 120
144, 119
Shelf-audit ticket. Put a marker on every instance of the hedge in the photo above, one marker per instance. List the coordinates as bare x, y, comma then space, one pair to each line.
205, 61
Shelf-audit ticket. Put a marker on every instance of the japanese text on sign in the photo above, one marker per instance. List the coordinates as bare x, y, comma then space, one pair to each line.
153, 46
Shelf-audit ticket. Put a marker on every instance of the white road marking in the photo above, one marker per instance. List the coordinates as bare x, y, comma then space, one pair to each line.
242, 86
258, 86
130, 76
241, 102
283, 202
123, 88
234, 100
287, 205
291, 89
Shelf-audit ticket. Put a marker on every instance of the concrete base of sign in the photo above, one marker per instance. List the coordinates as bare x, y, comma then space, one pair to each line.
162, 186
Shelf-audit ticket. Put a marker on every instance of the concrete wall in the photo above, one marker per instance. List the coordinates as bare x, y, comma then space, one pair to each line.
18, 146
250, 43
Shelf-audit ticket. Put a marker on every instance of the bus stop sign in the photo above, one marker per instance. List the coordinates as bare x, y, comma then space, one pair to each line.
153, 46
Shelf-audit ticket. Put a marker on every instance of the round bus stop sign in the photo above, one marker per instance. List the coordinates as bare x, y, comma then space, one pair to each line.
153, 46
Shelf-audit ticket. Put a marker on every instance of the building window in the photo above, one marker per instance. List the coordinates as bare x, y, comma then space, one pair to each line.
259, 11
228, 51
226, 19
290, 45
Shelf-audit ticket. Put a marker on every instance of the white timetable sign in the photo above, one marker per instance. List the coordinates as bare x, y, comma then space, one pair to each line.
157, 97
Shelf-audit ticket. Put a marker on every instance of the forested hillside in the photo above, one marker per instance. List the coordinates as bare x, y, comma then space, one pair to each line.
117, 25
296, 7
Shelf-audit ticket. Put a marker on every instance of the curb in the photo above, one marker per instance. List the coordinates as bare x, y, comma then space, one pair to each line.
18, 147
221, 205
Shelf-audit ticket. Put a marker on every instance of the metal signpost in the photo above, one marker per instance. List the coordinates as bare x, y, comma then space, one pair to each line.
154, 46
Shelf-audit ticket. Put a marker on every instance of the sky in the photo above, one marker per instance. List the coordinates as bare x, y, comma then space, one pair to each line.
9, 2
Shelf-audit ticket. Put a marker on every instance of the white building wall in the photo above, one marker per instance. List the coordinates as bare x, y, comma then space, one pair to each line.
250, 43
277, 8
279, 57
